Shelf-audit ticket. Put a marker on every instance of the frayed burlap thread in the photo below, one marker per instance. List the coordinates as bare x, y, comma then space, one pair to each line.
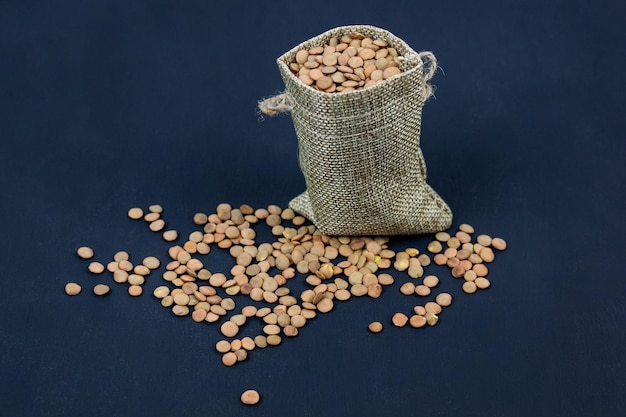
359, 151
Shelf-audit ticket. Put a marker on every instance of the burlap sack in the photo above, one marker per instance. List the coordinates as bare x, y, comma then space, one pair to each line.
360, 151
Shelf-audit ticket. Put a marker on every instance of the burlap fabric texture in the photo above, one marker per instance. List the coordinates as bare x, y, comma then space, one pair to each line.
360, 151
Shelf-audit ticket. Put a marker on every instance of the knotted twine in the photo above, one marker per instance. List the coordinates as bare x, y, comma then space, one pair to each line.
359, 151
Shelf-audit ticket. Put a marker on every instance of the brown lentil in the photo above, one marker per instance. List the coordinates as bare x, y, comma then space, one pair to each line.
458, 271
498, 243
260, 341
273, 340
135, 290
96, 268
141, 270
241, 354
422, 290
417, 321
399, 319
325, 305
125, 266
250, 397
298, 320
135, 213
453, 242
358, 290
430, 281
463, 237
432, 307
440, 259
229, 359
480, 270
85, 252
484, 240
443, 299
222, 346
419, 310
229, 329
151, 262
385, 279
157, 225
374, 290
431, 319
290, 331
375, 327
487, 255
101, 289
113, 266
199, 315
247, 343
235, 344
167, 301
482, 283
156, 208
72, 288
134, 279
469, 287
161, 292
180, 311
434, 246
407, 288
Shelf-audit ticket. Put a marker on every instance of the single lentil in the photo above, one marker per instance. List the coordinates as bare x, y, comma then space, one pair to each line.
85, 252
250, 397
101, 289
375, 327
72, 288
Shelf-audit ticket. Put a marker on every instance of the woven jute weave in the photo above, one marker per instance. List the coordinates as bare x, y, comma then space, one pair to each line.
360, 151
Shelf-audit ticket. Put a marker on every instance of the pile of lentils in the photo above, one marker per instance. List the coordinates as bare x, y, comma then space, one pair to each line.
335, 269
351, 62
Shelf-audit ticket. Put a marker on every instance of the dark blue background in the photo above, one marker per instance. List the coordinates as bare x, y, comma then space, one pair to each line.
105, 105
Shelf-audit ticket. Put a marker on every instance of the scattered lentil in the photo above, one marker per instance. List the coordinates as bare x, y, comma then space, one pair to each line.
85, 252
229, 329
422, 290
431, 318
484, 240
229, 359
96, 268
135, 290
482, 283
222, 346
434, 247
250, 397
469, 287
432, 307
135, 213
101, 289
443, 299
498, 243
72, 288
375, 327
399, 319
417, 321
430, 281
151, 262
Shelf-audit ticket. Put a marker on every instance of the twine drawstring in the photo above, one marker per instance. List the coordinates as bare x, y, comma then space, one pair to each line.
429, 62
277, 104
